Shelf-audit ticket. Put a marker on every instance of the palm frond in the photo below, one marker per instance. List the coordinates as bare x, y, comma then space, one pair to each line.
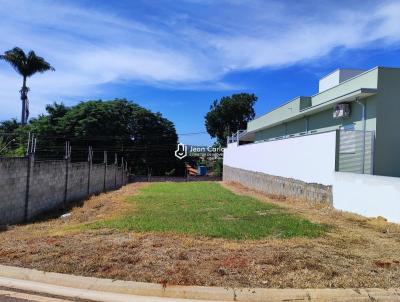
37, 64
16, 58
26, 65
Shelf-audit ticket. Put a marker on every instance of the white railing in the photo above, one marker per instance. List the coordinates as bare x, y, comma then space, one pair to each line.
286, 136
236, 136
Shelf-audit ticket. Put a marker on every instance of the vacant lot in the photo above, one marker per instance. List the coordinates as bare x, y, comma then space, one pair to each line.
184, 234
207, 209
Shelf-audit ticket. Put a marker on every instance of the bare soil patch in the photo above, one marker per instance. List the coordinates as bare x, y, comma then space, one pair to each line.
357, 251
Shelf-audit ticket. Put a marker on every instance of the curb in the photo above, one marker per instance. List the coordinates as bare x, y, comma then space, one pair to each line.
195, 292
73, 293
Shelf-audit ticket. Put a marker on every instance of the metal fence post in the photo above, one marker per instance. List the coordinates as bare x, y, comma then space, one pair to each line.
115, 170
122, 171
105, 171
126, 171
67, 160
90, 157
30, 151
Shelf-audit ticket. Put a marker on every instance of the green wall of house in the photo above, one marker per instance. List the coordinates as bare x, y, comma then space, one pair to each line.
324, 121
288, 110
382, 116
387, 144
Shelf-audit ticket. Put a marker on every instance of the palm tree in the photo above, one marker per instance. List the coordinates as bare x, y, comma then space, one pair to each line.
26, 66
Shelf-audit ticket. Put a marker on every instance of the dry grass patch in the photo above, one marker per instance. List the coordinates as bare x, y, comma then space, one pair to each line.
356, 252
95, 208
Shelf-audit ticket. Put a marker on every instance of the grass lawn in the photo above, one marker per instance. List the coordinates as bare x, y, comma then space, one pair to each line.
355, 252
208, 209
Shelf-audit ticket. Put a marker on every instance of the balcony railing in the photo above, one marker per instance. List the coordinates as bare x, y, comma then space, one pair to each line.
236, 136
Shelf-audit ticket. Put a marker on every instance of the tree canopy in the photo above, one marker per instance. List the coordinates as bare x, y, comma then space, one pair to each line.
229, 114
145, 139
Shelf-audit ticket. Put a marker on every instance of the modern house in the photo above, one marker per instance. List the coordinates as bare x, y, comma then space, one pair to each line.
346, 133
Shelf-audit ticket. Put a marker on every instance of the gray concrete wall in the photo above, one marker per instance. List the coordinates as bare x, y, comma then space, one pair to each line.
13, 178
119, 177
110, 177
78, 174
23, 198
280, 186
47, 186
97, 175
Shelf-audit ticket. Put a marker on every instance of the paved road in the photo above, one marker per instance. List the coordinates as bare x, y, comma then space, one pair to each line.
12, 295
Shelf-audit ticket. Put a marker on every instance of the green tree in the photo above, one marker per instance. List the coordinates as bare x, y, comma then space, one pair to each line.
8, 127
10, 134
145, 139
4, 146
26, 65
229, 114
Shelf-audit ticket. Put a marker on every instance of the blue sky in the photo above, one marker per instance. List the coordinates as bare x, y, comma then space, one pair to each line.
177, 56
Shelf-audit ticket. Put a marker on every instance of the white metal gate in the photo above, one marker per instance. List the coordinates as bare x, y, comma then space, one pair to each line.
355, 151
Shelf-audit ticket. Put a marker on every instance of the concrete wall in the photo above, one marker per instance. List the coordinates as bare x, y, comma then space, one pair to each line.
367, 195
309, 158
47, 186
111, 177
78, 175
97, 175
289, 167
29, 188
119, 177
13, 178
280, 186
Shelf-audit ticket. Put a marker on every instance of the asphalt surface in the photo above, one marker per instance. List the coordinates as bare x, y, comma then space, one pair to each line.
8, 299
13, 295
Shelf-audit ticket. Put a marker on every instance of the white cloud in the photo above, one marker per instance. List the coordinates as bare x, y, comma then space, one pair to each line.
185, 45
303, 38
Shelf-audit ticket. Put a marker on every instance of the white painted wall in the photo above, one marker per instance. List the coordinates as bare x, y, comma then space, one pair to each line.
367, 195
310, 158
336, 77
329, 81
